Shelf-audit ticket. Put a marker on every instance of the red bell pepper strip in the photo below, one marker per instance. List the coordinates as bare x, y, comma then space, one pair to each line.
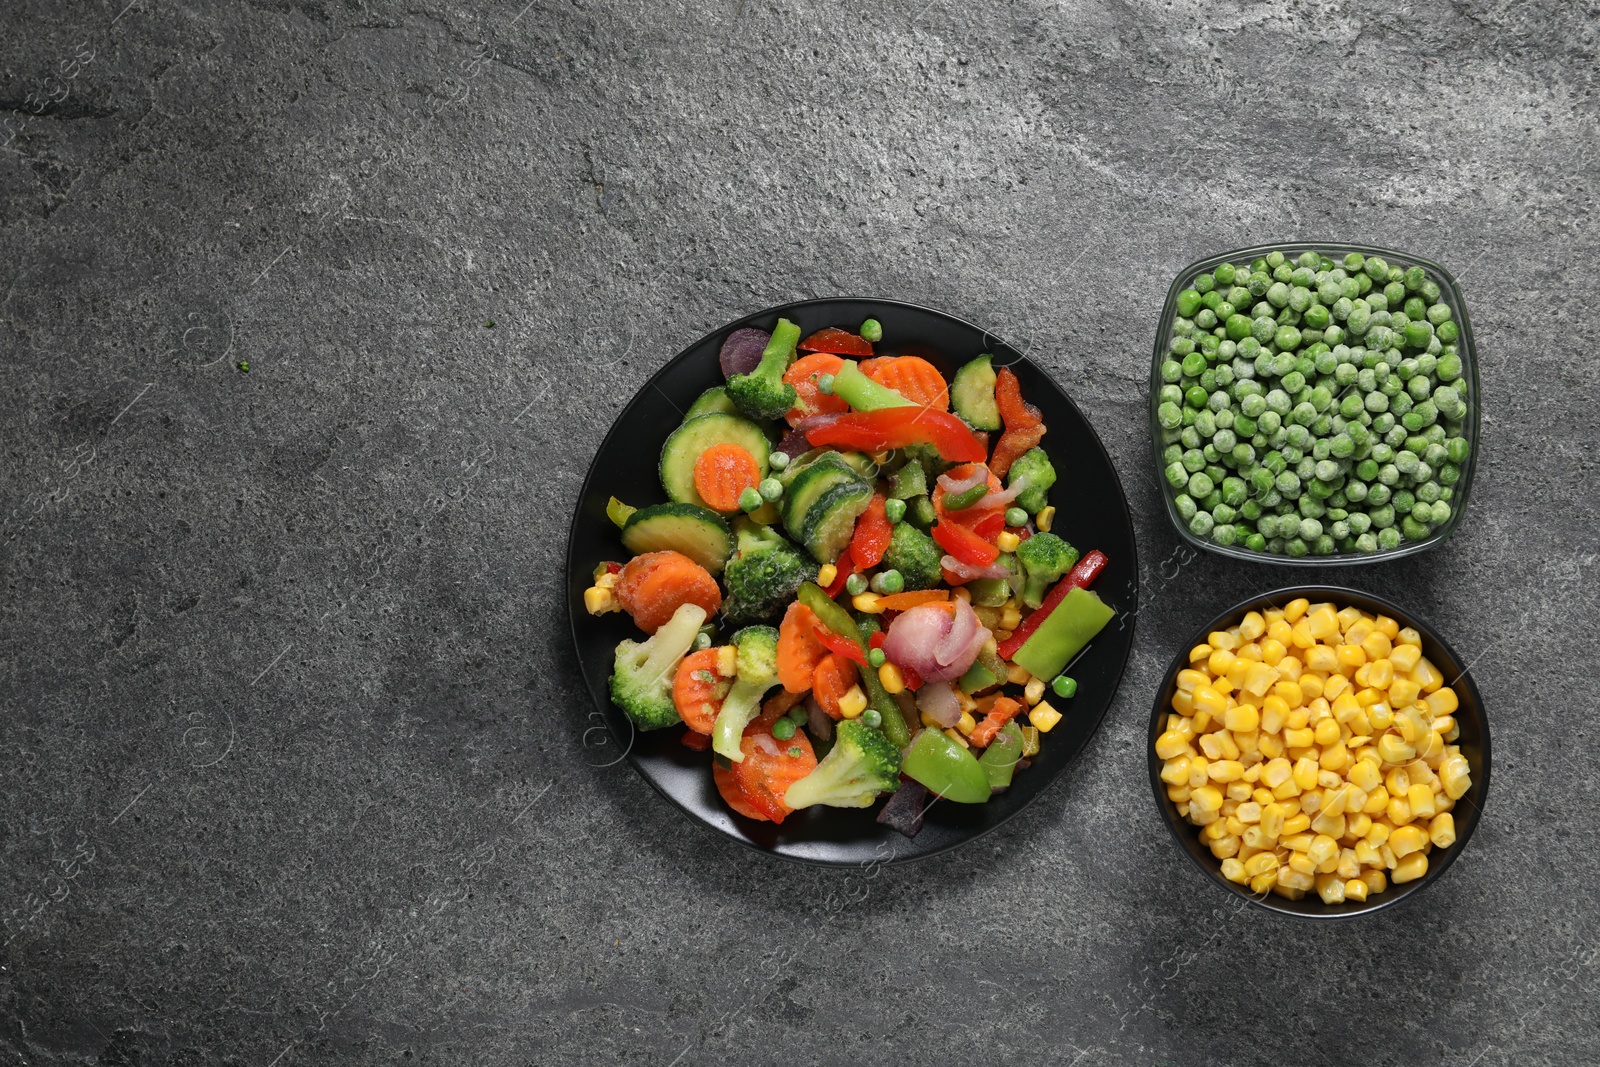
877, 639
697, 741
1024, 423
846, 564
990, 525
912, 679
838, 342
872, 534
1081, 576
965, 545
842, 645
886, 428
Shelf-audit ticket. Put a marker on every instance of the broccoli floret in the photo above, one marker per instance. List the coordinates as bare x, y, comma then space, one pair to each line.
1044, 558
1034, 470
909, 481
756, 672
927, 457
763, 394
764, 573
915, 555
643, 671
861, 765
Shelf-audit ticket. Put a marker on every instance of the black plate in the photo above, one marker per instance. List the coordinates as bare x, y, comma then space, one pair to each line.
1096, 517
1473, 742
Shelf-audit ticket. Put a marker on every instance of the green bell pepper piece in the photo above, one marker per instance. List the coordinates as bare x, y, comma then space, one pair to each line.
1064, 633
949, 771
978, 677
991, 592
999, 760
831, 614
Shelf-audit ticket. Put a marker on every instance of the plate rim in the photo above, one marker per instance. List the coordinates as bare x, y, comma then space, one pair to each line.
573, 615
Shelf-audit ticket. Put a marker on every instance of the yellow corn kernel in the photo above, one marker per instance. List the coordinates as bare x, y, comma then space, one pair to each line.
1200, 653
1367, 854
1030, 742
1455, 776
1322, 658
1390, 860
966, 724
955, 735
1377, 801
1252, 626
1323, 623
1225, 770
1311, 686
1398, 811
1273, 817
1246, 742
1365, 775
1300, 635
1220, 662
1206, 798
1222, 685
1380, 673
1250, 652
1295, 608
1007, 541
1175, 771
1386, 626
1183, 728
1233, 871
1353, 656
1301, 863
1291, 879
1374, 644
1280, 630
1442, 830
1010, 617
727, 661
1408, 636
1260, 864
1420, 798
890, 678
1264, 882
1377, 881
1046, 516
1335, 686
1322, 849
929, 721
1272, 652
827, 575
1380, 716
1360, 825
1398, 780
1355, 890
1183, 704
1411, 868
1330, 826
1044, 717
1033, 692
866, 603
1326, 732
1222, 639
1197, 771
1345, 707
1242, 718
1276, 772
599, 601
1249, 812
1207, 699
1189, 680
1289, 668
1393, 748
1442, 701
1239, 792
1290, 693
1296, 824
961, 593
1404, 658
1427, 675
1330, 887
853, 703
1297, 739
1349, 616
1305, 773
1407, 839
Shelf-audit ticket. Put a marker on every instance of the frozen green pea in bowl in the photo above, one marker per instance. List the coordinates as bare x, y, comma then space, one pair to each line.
1315, 404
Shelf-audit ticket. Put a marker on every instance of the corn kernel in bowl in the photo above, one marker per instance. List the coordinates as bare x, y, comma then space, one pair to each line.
1314, 747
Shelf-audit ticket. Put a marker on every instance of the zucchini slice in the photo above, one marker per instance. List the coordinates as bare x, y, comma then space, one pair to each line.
697, 532
972, 394
685, 444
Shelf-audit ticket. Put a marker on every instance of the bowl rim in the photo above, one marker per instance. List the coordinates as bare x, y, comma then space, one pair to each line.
1268, 901
1469, 370
990, 337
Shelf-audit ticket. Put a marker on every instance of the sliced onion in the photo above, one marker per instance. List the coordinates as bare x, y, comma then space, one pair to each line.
1004, 497
936, 643
961, 485
960, 647
967, 572
813, 422
793, 444
938, 702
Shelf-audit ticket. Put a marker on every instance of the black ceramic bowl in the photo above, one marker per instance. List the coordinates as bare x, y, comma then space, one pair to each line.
1093, 513
1473, 742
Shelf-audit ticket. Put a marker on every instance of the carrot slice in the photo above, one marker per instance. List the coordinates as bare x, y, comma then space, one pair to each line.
697, 690
755, 787
913, 378
803, 374
902, 601
656, 584
831, 681
724, 471
1002, 711
799, 651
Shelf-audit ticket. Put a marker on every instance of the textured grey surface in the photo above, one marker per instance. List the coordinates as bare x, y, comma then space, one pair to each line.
292, 759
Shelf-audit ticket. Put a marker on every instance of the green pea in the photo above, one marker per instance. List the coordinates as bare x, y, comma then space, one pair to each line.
1441, 511
877, 657
1188, 302
1457, 448
895, 510
856, 584
783, 729
1204, 283
890, 581
1447, 332
872, 330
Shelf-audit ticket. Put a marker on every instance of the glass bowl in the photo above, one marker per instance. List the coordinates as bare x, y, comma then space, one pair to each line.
1449, 293
1473, 742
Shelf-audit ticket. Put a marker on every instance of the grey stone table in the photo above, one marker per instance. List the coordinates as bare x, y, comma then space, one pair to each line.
292, 765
